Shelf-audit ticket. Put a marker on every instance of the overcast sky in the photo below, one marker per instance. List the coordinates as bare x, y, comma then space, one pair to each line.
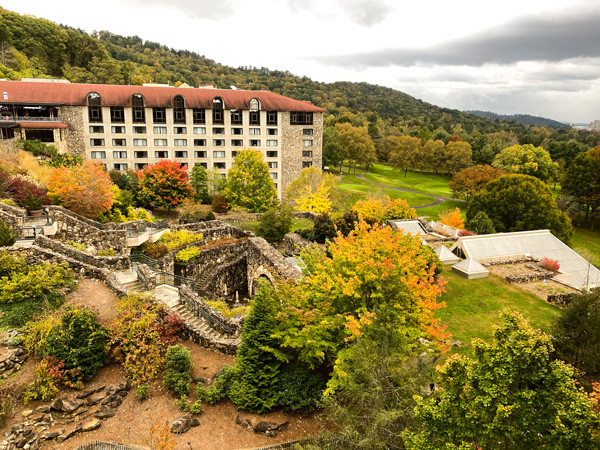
539, 57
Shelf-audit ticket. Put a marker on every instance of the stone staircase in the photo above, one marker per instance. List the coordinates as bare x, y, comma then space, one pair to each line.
134, 286
199, 323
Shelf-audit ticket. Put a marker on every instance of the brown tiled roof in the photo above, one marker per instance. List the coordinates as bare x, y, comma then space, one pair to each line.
74, 94
42, 125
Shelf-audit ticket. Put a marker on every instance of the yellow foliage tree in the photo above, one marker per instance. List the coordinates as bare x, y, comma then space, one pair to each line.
453, 219
370, 210
318, 202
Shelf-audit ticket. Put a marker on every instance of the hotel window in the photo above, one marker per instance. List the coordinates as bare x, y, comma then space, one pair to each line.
139, 130
117, 130
199, 130
218, 142
205, 165
159, 115
273, 175
180, 142
199, 115
218, 130
236, 117
271, 142
97, 142
237, 142
94, 102
254, 142
140, 166
271, 117
218, 154
233, 154
160, 130
272, 131
138, 112
140, 154
119, 142
98, 155
219, 165
96, 129
272, 165
218, 111
181, 154
183, 165
117, 114
271, 154
254, 131
301, 118
307, 142
237, 131
120, 167
199, 142
180, 130
200, 154
254, 112
307, 153
161, 154
307, 131
119, 155
178, 109
275, 184
306, 164
160, 142
140, 142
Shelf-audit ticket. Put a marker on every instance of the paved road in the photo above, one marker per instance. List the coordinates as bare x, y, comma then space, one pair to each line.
438, 198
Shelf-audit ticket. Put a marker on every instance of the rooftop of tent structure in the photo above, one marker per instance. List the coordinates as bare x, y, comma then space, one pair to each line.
574, 270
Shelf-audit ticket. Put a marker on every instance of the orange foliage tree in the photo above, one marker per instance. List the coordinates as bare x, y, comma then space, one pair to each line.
372, 269
165, 184
453, 219
471, 180
84, 189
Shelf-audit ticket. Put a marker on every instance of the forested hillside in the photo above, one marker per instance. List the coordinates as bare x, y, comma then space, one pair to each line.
525, 119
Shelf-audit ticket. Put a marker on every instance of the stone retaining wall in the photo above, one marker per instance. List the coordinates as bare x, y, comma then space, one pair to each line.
109, 262
560, 299
304, 215
148, 275
10, 219
264, 260
294, 243
186, 295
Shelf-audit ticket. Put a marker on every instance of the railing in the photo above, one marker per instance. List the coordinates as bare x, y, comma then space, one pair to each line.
30, 119
43, 220
140, 276
173, 280
290, 445
101, 445
28, 233
143, 259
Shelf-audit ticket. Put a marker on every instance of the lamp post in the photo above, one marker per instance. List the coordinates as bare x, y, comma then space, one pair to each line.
34, 230
47, 211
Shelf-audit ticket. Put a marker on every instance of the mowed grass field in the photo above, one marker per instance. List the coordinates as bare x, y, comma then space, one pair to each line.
588, 240
474, 307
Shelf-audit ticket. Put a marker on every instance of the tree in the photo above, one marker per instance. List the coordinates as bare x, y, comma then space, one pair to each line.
402, 151
582, 179
521, 203
481, 224
7, 237
473, 179
275, 224
332, 147
398, 209
165, 184
84, 189
576, 333
513, 395
318, 202
308, 184
199, 182
357, 145
249, 184
435, 152
527, 160
457, 156
453, 219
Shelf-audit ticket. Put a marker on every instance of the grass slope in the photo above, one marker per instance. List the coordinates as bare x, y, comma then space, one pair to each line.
427, 183
474, 306
589, 240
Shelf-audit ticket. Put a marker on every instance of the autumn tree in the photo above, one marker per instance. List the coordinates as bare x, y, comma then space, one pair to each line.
249, 184
527, 160
582, 179
453, 219
357, 146
457, 156
403, 151
513, 395
313, 189
165, 184
521, 203
84, 189
435, 153
473, 179
332, 147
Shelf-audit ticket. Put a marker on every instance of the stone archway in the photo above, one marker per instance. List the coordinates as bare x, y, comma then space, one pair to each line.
254, 278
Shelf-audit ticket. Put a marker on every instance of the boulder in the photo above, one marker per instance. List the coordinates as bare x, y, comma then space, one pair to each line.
94, 400
105, 413
263, 427
183, 424
52, 434
91, 425
65, 405
86, 393
70, 434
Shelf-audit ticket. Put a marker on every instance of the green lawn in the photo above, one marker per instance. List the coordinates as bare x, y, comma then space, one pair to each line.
589, 240
296, 225
433, 212
427, 183
474, 306
360, 190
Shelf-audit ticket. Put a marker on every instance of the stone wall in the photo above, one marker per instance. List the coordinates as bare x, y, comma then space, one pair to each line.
225, 280
10, 219
210, 258
214, 229
536, 273
264, 260
35, 255
73, 135
108, 262
12, 361
305, 215
293, 243
560, 299
148, 276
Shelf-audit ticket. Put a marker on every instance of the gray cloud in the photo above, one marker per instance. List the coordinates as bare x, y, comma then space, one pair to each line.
197, 9
366, 12
546, 38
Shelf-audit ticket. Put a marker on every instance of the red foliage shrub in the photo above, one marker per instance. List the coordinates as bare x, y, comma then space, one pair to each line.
462, 233
19, 189
219, 203
170, 328
156, 251
550, 264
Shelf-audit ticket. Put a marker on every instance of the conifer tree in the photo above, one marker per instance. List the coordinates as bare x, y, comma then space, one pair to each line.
7, 237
